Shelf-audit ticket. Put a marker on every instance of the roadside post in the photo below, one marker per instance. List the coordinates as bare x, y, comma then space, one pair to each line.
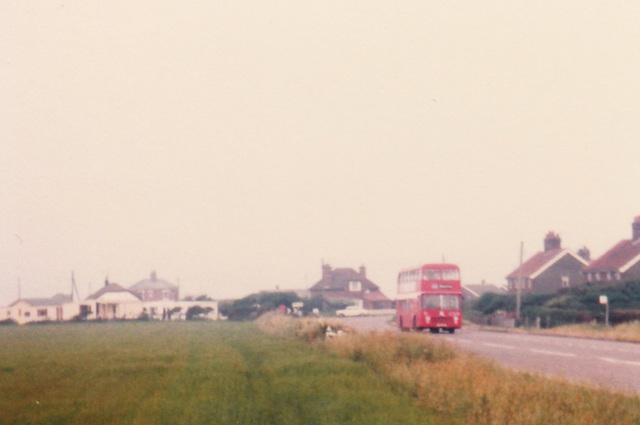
604, 300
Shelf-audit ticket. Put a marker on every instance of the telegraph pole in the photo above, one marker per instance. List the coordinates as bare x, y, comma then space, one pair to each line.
519, 284
75, 296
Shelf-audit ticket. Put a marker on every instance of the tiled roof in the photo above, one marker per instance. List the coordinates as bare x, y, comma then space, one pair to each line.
617, 258
56, 300
153, 283
479, 290
540, 262
111, 287
340, 279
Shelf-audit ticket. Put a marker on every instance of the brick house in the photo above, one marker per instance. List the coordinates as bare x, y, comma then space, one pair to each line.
154, 289
347, 286
621, 262
549, 270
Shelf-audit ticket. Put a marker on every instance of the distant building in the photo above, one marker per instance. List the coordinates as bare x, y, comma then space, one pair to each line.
154, 289
111, 302
474, 291
347, 286
26, 310
549, 270
621, 262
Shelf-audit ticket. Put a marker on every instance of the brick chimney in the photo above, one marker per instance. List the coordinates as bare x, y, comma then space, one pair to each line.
635, 227
551, 241
326, 273
585, 254
363, 271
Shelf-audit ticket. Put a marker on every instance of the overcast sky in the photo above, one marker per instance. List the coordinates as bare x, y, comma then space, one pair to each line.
235, 146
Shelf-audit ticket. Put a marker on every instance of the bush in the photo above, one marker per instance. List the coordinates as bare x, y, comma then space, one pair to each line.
254, 306
196, 312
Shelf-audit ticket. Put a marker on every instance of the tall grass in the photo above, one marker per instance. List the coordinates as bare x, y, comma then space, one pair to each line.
460, 388
186, 373
628, 332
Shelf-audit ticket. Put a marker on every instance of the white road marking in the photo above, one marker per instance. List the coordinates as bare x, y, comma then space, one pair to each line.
628, 362
490, 344
553, 353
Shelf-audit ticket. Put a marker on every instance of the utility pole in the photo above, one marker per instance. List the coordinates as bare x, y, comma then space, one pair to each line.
74, 288
519, 284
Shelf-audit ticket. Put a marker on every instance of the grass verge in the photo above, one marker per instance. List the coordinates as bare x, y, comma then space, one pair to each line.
463, 389
186, 373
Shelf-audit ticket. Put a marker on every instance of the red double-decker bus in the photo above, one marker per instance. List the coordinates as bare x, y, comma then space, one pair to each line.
429, 297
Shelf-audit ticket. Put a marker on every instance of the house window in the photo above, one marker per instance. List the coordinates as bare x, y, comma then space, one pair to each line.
355, 286
565, 281
42, 312
165, 294
27, 314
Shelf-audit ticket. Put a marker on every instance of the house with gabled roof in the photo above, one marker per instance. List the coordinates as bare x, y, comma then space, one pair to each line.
113, 301
549, 270
621, 262
154, 289
350, 287
26, 310
474, 291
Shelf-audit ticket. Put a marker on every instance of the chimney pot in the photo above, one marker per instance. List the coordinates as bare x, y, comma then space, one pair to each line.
585, 254
363, 271
635, 228
552, 241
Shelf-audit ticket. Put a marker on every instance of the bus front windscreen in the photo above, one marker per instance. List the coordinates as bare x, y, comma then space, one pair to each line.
441, 302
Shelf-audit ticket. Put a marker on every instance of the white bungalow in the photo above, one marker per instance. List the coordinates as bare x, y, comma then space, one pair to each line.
112, 302
57, 308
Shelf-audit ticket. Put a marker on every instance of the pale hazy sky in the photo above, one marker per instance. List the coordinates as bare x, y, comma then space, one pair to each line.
234, 146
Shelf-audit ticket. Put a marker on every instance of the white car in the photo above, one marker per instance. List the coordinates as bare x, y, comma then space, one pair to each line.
352, 311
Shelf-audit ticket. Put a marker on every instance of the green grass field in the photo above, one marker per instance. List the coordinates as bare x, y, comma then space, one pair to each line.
186, 373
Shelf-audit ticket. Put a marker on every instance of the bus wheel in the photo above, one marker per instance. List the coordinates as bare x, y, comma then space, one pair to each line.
434, 330
415, 325
401, 325
451, 330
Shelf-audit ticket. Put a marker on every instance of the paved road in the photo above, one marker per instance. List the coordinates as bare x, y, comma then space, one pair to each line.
609, 364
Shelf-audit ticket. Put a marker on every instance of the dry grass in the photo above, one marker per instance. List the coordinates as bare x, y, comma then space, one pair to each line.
464, 389
310, 330
628, 332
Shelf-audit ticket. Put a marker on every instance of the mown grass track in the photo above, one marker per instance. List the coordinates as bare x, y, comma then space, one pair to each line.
185, 373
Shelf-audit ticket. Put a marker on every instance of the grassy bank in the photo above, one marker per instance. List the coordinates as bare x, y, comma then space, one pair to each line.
624, 332
186, 373
463, 389
283, 373
628, 332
